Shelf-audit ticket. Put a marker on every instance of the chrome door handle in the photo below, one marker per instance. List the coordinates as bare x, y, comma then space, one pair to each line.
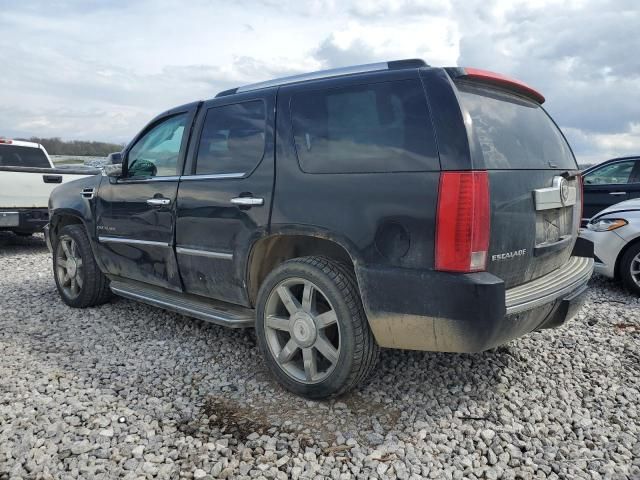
617, 193
247, 201
156, 202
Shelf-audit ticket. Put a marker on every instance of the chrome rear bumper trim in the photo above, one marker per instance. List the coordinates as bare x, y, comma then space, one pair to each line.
548, 288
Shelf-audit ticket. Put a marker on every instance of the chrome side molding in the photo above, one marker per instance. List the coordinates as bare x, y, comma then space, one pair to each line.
204, 253
131, 241
559, 195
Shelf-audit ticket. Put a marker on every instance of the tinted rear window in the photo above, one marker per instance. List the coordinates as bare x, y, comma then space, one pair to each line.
514, 133
16, 156
381, 127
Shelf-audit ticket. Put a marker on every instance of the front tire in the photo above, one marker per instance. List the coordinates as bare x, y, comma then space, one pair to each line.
79, 281
630, 269
312, 329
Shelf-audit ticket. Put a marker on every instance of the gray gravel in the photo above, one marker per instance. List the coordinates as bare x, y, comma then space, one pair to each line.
126, 390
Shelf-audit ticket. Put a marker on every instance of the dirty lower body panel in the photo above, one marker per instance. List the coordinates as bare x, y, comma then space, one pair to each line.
435, 311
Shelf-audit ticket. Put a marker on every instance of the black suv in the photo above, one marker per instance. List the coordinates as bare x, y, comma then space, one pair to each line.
385, 205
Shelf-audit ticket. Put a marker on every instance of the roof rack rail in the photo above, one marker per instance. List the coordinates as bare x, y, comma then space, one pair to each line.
334, 72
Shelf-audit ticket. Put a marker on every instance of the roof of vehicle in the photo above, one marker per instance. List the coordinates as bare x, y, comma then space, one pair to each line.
606, 162
333, 72
19, 143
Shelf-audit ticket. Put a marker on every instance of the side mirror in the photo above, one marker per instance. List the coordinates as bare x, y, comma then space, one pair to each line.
112, 170
114, 158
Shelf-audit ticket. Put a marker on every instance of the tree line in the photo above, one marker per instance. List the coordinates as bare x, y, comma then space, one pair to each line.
57, 146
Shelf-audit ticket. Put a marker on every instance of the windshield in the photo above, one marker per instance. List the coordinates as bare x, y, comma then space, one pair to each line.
17, 156
512, 132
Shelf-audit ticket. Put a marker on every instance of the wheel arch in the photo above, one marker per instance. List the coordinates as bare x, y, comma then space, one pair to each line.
61, 219
623, 250
282, 245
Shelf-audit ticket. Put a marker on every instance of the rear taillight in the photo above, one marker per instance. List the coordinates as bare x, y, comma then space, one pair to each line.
463, 222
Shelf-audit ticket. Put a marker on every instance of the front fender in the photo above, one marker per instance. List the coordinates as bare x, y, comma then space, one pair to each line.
73, 200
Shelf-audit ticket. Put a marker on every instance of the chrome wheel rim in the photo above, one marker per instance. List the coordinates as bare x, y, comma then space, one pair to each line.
635, 269
69, 267
302, 331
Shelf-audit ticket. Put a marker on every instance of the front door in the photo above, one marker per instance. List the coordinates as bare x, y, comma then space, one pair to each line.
608, 185
224, 202
136, 213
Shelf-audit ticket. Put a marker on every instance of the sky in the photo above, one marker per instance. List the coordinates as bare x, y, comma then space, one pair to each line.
100, 70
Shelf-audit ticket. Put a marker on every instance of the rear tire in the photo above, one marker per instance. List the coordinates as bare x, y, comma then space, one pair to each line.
630, 269
312, 329
79, 281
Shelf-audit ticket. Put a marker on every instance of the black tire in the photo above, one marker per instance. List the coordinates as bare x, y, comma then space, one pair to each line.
631, 260
94, 288
357, 348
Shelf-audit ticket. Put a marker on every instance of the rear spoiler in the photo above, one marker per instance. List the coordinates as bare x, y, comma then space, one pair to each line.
497, 79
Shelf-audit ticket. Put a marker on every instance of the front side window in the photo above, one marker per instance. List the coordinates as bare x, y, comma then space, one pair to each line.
613, 174
233, 139
380, 127
156, 153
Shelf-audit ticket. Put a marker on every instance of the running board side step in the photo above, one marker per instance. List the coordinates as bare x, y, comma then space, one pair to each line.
220, 313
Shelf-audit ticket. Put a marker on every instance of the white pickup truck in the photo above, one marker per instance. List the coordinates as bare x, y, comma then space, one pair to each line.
27, 178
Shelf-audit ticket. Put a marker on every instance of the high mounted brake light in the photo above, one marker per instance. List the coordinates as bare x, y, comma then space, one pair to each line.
463, 221
497, 79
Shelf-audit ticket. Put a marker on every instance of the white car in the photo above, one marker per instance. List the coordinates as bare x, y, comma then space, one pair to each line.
27, 178
615, 233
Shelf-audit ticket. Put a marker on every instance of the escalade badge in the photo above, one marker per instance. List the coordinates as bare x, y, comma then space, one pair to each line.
508, 255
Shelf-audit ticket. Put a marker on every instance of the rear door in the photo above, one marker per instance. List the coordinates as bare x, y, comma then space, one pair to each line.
224, 199
135, 214
534, 187
609, 184
634, 181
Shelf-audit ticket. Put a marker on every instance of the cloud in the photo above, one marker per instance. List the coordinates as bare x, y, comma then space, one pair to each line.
385, 8
100, 70
579, 57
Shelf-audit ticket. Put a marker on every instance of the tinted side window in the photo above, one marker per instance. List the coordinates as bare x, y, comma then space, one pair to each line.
17, 156
381, 127
616, 173
233, 138
156, 153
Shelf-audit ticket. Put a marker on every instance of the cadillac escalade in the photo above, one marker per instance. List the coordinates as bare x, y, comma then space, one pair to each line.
389, 205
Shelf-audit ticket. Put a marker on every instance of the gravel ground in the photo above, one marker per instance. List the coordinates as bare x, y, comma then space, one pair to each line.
126, 390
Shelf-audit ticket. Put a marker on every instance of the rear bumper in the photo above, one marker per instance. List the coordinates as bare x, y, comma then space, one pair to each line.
26, 220
436, 311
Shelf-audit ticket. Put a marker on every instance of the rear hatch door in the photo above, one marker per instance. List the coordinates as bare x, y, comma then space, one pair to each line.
533, 180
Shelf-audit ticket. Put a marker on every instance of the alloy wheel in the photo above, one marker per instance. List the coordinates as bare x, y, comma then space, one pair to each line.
302, 330
635, 269
69, 268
